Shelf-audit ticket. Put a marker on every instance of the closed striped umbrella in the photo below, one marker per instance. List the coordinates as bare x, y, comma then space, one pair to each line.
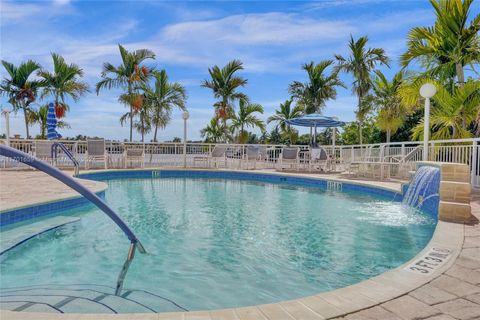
52, 133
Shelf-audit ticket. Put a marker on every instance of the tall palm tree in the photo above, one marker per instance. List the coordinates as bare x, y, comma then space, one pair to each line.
286, 112
361, 62
126, 76
20, 90
40, 116
224, 84
246, 118
63, 82
162, 98
213, 132
451, 111
319, 88
450, 45
385, 98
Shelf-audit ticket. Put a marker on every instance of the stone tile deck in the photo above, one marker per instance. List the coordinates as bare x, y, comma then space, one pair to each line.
453, 295
452, 292
28, 187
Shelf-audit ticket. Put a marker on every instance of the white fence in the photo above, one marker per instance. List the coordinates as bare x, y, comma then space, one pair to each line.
466, 151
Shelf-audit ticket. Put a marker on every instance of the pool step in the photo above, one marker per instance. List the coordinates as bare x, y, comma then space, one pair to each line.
16, 236
83, 299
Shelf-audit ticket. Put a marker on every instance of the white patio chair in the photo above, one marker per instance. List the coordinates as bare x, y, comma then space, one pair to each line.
289, 157
217, 156
43, 150
252, 154
96, 152
133, 156
319, 159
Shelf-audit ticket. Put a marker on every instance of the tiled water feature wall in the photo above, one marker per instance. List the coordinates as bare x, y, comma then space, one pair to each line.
443, 189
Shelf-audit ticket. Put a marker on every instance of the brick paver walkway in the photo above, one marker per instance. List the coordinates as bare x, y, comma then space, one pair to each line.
453, 295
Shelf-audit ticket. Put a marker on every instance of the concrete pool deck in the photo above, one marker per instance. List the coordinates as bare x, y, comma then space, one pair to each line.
448, 290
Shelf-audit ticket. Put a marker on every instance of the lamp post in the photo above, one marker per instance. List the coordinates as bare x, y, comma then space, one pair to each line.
7, 125
185, 116
427, 91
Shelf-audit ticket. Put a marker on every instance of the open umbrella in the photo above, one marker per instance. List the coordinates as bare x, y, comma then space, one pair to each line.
315, 120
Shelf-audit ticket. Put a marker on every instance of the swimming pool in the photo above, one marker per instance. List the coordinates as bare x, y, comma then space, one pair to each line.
217, 242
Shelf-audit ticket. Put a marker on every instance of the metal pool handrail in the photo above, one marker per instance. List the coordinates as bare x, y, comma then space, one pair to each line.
89, 195
69, 155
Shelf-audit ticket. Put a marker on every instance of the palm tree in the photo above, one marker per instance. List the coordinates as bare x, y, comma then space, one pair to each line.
320, 87
452, 112
162, 98
245, 118
392, 112
126, 76
213, 132
40, 117
450, 45
284, 113
361, 62
63, 82
224, 84
20, 90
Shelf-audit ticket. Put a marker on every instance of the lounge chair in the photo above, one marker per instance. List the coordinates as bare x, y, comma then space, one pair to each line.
217, 156
96, 152
132, 156
289, 157
319, 159
43, 150
252, 154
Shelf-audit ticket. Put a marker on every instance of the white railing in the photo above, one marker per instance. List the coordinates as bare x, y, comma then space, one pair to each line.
400, 156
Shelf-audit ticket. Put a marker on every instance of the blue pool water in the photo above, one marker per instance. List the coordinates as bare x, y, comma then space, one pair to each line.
223, 243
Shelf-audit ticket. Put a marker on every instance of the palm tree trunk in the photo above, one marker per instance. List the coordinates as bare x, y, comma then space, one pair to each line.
360, 131
155, 133
131, 111
24, 107
460, 74
224, 120
360, 121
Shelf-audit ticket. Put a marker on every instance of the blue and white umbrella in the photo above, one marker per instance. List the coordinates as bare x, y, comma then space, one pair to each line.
315, 120
52, 133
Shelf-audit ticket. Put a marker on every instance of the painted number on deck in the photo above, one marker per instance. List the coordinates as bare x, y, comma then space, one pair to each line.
431, 261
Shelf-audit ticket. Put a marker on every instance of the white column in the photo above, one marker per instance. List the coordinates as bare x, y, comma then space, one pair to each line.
185, 116
7, 126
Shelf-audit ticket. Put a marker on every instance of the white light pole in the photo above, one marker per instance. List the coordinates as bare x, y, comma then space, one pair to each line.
427, 91
185, 116
7, 125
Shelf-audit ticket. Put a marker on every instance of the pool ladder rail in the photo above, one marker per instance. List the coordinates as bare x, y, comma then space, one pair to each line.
69, 155
334, 185
87, 194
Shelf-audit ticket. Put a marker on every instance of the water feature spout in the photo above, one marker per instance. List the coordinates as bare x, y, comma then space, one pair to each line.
423, 189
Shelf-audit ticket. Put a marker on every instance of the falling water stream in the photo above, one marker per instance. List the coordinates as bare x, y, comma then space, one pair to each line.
423, 189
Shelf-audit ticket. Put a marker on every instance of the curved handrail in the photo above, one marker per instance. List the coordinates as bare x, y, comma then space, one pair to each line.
89, 195
69, 155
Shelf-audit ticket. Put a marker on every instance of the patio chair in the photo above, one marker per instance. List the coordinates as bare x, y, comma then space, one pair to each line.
217, 156
43, 150
319, 159
289, 157
132, 156
252, 154
96, 152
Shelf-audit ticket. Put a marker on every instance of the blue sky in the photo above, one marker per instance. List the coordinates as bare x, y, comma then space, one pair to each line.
272, 38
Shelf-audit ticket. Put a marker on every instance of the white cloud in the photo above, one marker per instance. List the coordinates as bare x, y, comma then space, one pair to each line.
17, 13
275, 28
